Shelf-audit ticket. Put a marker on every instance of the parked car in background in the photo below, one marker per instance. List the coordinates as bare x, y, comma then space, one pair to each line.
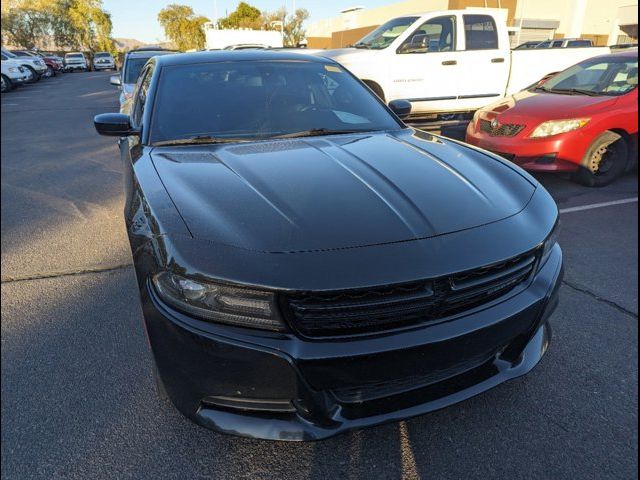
583, 120
450, 62
303, 257
247, 46
52, 63
623, 46
103, 61
13, 74
527, 45
35, 66
132, 64
565, 43
75, 61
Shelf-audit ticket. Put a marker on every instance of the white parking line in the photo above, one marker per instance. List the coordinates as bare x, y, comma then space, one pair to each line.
598, 205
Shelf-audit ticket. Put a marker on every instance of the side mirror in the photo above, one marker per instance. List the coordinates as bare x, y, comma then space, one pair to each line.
402, 108
115, 80
114, 125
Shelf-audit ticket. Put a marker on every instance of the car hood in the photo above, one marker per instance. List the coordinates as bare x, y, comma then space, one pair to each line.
341, 191
349, 55
549, 106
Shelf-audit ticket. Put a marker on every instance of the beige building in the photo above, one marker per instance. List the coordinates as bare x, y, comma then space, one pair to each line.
606, 22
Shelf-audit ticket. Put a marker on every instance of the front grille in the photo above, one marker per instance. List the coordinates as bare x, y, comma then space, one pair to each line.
500, 130
385, 388
348, 312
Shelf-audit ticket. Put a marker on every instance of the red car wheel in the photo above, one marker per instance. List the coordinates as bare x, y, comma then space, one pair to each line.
605, 160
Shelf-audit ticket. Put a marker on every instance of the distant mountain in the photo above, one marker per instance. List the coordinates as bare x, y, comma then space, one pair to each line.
126, 44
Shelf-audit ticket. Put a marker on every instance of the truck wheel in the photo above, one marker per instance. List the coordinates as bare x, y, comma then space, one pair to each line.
6, 84
605, 160
376, 88
34, 75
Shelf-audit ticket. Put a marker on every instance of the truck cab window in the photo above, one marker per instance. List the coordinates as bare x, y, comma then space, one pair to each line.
435, 35
480, 32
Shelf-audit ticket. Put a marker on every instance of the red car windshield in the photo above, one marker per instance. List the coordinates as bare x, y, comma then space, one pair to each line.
597, 76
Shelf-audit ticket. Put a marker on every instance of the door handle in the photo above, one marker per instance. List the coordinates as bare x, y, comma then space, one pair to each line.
497, 60
449, 62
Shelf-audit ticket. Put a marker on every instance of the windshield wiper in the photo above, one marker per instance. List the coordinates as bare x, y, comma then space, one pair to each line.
569, 91
362, 45
315, 132
197, 140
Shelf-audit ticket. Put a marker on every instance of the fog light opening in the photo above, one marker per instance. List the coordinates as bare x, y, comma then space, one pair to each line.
249, 404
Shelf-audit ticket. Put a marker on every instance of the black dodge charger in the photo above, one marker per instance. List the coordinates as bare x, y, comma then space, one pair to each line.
308, 264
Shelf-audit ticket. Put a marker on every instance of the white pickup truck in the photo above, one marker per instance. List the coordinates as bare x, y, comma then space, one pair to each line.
450, 62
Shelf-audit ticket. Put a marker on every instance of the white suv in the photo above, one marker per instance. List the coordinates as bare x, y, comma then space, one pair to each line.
75, 61
103, 61
12, 74
35, 66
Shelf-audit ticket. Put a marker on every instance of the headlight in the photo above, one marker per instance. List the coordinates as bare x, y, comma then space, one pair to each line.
219, 303
555, 127
549, 243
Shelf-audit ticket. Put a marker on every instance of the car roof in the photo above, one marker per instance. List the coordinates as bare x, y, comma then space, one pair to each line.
148, 53
236, 55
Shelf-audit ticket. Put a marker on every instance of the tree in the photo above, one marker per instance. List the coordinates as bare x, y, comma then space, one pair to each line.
73, 24
27, 23
294, 30
293, 27
85, 26
244, 16
183, 27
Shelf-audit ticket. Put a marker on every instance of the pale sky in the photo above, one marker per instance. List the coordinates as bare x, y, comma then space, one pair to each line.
138, 18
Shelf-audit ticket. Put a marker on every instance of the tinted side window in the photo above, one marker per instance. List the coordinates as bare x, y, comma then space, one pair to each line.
141, 95
579, 43
480, 32
435, 35
556, 44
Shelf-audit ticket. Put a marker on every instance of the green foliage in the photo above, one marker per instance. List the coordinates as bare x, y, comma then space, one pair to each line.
69, 24
248, 16
183, 27
244, 16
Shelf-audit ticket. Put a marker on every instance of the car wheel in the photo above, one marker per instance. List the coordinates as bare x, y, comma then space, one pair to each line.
162, 392
605, 160
34, 75
49, 72
6, 84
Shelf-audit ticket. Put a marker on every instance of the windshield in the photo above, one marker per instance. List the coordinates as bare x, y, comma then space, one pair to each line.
251, 100
133, 69
599, 76
74, 56
102, 55
386, 33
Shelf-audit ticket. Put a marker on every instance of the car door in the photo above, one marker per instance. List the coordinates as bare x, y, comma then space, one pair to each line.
425, 66
130, 148
485, 61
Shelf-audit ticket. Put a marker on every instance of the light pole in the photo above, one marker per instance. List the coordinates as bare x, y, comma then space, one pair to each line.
281, 23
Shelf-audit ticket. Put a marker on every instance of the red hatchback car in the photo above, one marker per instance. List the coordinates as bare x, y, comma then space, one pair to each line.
583, 120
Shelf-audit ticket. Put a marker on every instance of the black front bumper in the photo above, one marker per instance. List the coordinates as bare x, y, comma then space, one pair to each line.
279, 386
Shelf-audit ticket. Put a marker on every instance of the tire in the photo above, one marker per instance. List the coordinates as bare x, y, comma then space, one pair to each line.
606, 159
6, 84
376, 88
34, 75
50, 72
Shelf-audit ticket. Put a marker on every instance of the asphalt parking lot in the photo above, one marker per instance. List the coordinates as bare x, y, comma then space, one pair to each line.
78, 399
